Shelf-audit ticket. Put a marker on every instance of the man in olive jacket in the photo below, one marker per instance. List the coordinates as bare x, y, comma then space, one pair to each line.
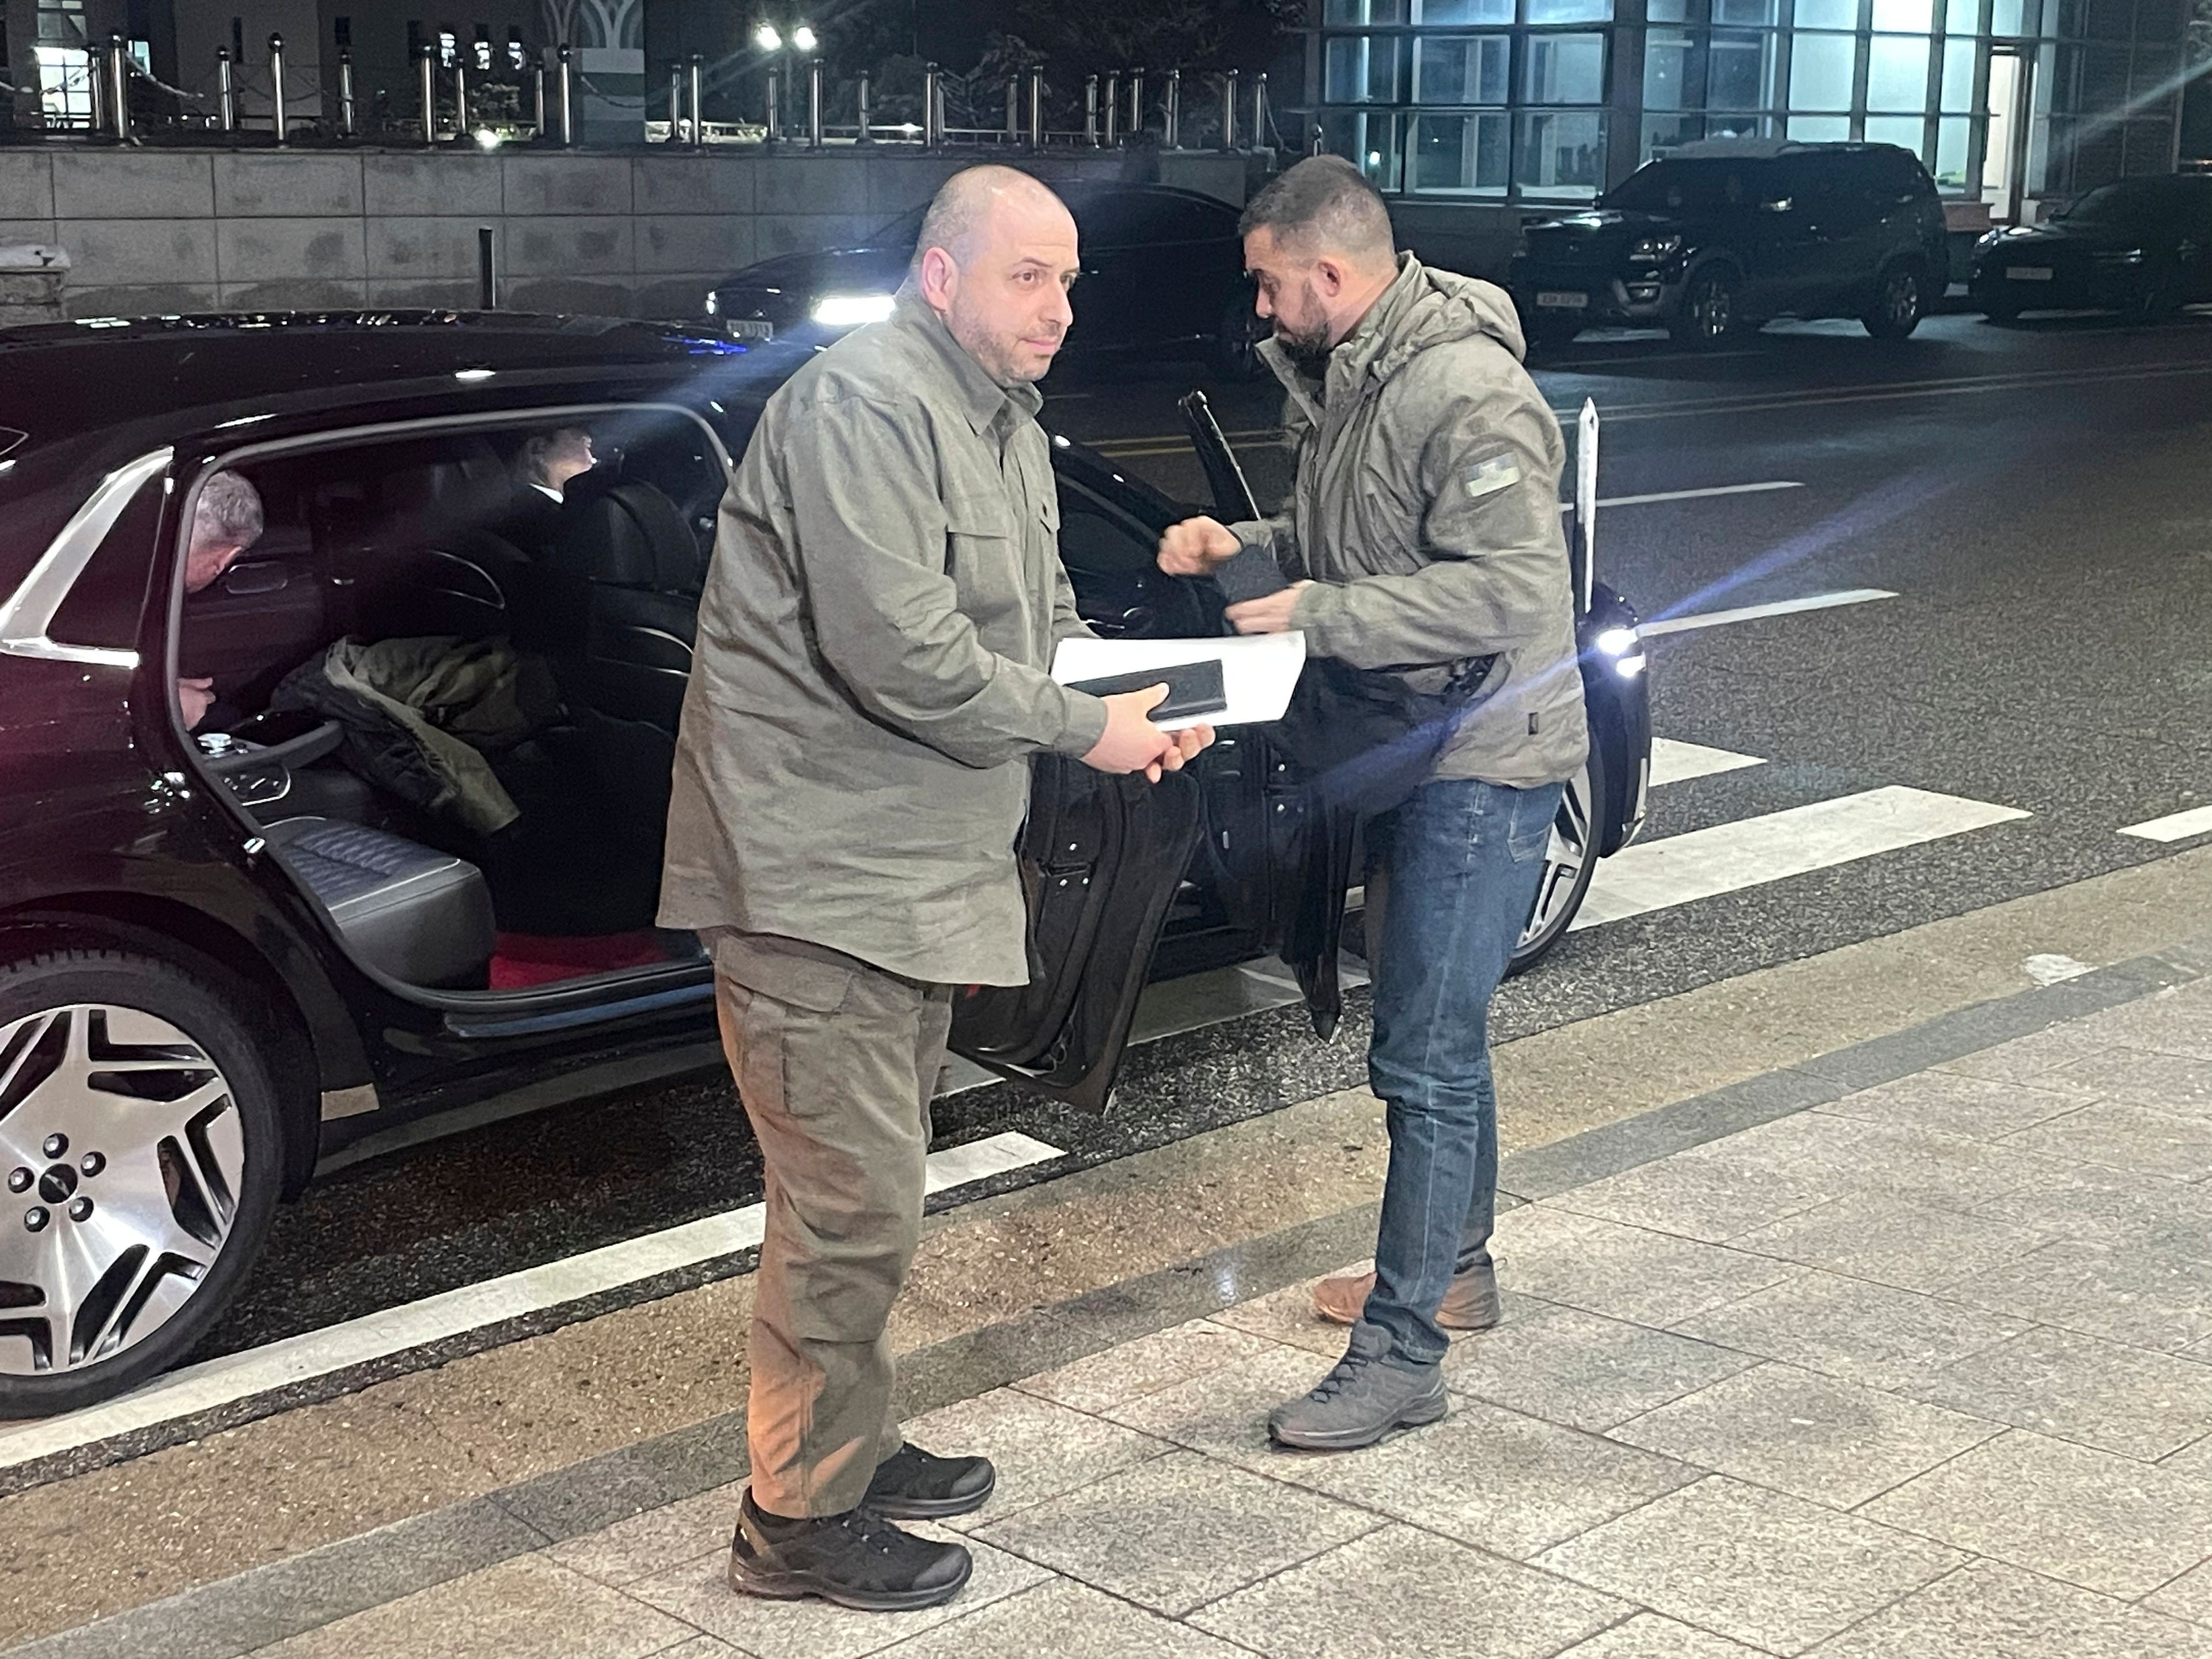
852, 772
1423, 540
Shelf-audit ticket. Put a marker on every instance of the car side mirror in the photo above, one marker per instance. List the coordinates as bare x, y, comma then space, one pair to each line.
1780, 205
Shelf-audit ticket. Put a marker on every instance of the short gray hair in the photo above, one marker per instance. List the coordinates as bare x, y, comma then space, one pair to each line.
541, 447
1323, 203
227, 513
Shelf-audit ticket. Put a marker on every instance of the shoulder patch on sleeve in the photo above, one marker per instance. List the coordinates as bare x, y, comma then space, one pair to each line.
1488, 478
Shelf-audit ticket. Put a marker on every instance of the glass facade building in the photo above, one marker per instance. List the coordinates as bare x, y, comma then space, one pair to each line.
1504, 102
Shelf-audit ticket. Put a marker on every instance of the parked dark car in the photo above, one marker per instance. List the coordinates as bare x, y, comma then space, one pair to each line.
1162, 273
226, 954
1725, 234
2138, 244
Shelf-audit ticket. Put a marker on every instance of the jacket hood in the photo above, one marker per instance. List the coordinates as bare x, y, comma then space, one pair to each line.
1421, 308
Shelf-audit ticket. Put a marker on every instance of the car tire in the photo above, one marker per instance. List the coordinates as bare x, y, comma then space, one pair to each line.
1547, 334
2161, 298
1708, 316
1570, 862
1900, 299
1237, 342
160, 1172
2001, 312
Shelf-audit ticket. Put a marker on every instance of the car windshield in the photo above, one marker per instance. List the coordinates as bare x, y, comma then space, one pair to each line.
902, 232
1670, 187
2109, 205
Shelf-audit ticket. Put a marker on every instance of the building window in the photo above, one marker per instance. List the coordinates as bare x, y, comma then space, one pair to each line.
64, 63
1461, 69
1464, 155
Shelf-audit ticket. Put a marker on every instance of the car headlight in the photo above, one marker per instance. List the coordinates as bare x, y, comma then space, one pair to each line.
851, 310
714, 303
1617, 641
1651, 249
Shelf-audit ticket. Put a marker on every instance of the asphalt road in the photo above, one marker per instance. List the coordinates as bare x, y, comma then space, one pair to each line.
2035, 499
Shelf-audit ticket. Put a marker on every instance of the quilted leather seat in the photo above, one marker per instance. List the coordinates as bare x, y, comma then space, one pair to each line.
422, 916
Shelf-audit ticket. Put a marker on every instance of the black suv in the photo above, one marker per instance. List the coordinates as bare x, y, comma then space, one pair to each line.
339, 905
1727, 233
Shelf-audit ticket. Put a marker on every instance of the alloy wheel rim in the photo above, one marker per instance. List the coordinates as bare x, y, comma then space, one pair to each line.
1713, 311
122, 1161
1904, 297
1568, 850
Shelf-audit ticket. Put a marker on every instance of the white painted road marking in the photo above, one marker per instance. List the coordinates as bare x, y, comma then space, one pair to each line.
1754, 613
1678, 762
1657, 875
2175, 826
435, 1318
1695, 494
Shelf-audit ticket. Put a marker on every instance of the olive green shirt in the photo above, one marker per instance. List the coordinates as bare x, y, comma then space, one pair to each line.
871, 676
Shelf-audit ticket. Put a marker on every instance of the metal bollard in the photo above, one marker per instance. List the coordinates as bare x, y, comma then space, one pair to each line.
276, 121
347, 125
1229, 110
697, 88
1013, 110
1136, 104
226, 90
119, 88
426, 77
1037, 108
95, 81
1090, 111
674, 103
1172, 123
1113, 109
773, 115
487, 281
861, 99
460, 99
537, 99
816, 134
568, 97
1259, 116
933, 106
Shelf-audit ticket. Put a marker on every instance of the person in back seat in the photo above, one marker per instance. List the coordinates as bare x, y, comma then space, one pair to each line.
225, 521
543, 467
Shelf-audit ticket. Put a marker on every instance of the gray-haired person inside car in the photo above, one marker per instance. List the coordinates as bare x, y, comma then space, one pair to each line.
225, 521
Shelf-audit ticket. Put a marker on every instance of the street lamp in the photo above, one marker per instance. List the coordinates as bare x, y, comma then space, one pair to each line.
803, 38
766, 38
772, 42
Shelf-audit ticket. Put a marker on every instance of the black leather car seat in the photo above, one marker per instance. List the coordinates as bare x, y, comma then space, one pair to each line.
440, 566
422, 916
622, 599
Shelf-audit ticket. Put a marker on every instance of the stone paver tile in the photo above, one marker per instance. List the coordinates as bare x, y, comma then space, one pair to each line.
1144, 1366
2151, 1296
2103, 1522
1990, 1611
1580, 1369
1066, 1620
699, 1593
2196, 1460
2090, 1203
2030, 1058
2189, 1596
525, 1608
2082, 1388
1815, 1437
2174, 1082
2123, 1136
1651, 1636
1287, 1316
1398, 1592
1491, 1477
1224, 1413
1908, 1163
701, 1647
1179, 1531
1703, 1194
1893, 1241
1869, 1333
654, 1541
1627, 1272
1040, 1449
2176, 1022
1978, 1108
1757, 1566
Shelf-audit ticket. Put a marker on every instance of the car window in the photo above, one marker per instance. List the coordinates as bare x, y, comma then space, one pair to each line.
2127, 202
902, 232
1184, 219
1113, 218
1673, 185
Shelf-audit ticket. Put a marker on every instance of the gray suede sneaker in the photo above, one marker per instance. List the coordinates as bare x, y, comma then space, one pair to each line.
1365, 1398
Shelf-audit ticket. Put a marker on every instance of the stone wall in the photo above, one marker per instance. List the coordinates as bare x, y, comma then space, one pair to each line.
625, 235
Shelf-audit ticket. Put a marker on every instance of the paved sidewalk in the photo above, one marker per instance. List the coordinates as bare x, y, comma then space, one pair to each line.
1920, 1371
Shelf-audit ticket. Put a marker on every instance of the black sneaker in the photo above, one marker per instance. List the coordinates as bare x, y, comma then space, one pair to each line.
856, 1559
910, 1484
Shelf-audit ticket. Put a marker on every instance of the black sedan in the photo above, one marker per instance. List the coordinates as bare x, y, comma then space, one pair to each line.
2141, 245
408, 862
1163, 273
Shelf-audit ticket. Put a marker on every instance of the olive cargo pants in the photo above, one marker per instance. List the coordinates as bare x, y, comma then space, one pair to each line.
835, 1062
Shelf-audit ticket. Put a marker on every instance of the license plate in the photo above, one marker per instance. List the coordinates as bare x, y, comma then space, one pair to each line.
757, 329
1556, 301
2027, 273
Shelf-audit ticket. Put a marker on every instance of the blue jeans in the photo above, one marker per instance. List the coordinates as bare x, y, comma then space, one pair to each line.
1457, 867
